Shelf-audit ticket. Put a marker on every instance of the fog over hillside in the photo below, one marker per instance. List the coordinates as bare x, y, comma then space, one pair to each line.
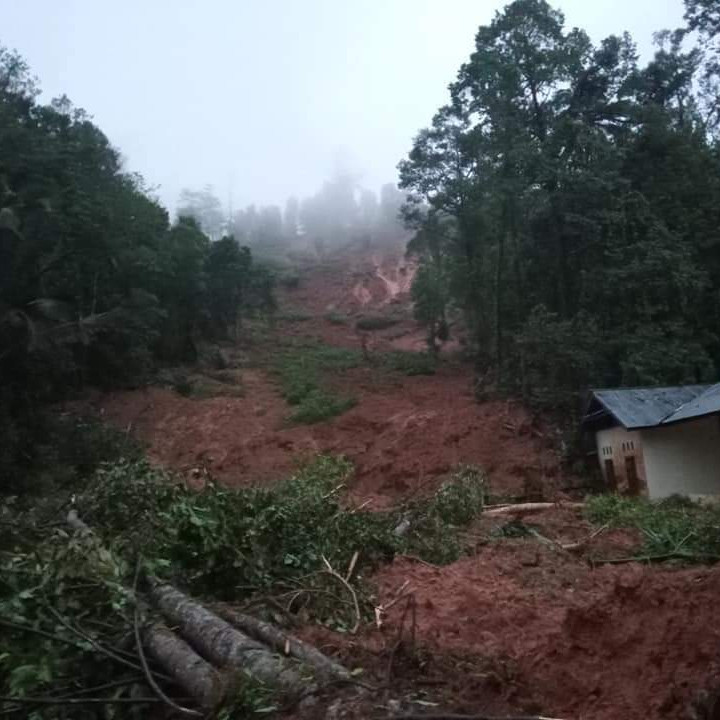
264, 100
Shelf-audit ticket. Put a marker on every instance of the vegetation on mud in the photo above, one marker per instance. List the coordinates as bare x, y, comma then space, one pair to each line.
300, 369
376, 322
410, 363
72, 589
674, 528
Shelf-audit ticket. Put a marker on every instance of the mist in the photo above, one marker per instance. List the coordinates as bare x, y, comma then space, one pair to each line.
265, 100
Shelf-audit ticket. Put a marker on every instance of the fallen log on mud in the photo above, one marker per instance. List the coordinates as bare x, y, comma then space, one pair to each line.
223, 645
324, 668
529, 508
184, 665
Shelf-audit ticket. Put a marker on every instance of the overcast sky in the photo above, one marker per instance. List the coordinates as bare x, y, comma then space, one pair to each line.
261, 97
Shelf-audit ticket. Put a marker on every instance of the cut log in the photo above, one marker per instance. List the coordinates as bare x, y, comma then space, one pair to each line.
529, 508
224, 646
323, 667
184, 665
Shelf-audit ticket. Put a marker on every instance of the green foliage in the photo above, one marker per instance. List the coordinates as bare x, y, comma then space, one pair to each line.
567, 201
47, 573
227, 545
376, 322
673, 525
410, 363
95, 285
295, 316
300, 371
430, 295
317, 406
223, 541
63, 449
336, 318
290, 280
558, 357
434, 522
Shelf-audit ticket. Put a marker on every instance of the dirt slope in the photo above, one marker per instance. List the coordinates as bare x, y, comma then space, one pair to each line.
627, 642
516, 626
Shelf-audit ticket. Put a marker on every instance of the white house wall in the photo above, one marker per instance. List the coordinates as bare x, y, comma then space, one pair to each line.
615, 444
683, 459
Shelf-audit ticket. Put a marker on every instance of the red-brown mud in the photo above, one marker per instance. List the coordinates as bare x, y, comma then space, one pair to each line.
519, 625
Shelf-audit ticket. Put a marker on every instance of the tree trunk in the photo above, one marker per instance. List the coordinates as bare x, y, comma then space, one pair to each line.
325, 668
184, 665
223, 645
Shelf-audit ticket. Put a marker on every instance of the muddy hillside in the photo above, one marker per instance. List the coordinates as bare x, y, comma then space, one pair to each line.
537, 623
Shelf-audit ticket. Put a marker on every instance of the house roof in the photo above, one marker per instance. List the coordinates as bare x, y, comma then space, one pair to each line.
706, 403
651, 407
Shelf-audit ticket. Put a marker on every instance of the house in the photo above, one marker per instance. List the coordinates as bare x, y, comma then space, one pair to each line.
658, 441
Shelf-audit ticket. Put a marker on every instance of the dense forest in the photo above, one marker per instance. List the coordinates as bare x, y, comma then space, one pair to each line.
567, 203
96, 285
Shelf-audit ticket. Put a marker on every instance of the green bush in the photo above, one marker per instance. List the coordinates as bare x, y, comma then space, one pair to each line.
674, 525
410, 363
61, 450
317, 406
295, 316
299, 370
336, 318
290, 280
222, 544
433, 523
376, 322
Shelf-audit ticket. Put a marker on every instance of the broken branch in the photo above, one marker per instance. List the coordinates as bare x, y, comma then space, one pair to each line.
340, 578
528, 508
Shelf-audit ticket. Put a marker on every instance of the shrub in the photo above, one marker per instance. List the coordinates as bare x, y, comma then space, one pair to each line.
317, 406
295, 316
299, 371
674, 525
410, 363
290, 280
336, 318
434, 522
376, 322
219, 543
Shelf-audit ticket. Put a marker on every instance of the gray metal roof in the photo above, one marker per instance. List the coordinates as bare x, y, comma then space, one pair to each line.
706, 403
649, 407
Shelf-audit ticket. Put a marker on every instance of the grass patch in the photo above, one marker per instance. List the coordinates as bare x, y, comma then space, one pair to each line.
300, 369
336, 318
674, 526
318, 406
376, 322
294, 316
209, 385
410, 363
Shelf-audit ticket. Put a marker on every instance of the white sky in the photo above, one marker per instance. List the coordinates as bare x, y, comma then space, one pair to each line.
260, 97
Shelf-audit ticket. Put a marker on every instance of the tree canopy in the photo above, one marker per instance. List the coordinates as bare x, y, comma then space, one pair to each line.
95, 284
570, 199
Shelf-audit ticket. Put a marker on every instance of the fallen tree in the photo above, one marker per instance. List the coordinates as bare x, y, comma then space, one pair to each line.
223, 645
196, 676
323, 667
